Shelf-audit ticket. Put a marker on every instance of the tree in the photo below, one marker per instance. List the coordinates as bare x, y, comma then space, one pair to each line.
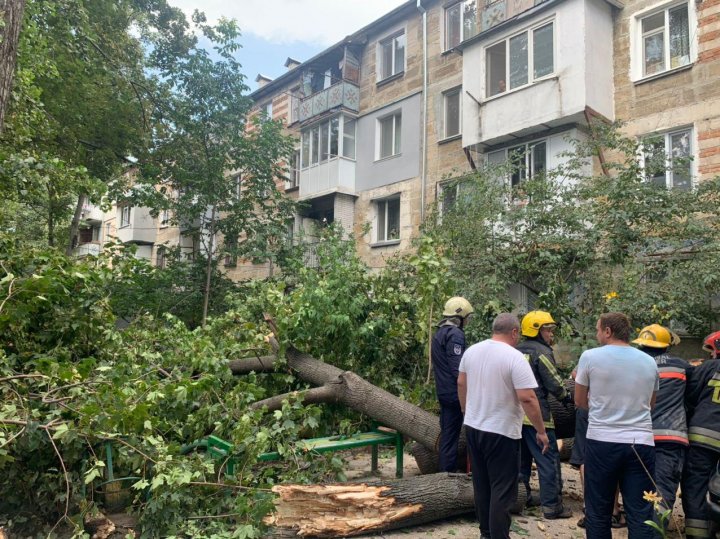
211, 165
12, 14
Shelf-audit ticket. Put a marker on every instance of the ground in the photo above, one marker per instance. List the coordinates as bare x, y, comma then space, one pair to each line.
531, 525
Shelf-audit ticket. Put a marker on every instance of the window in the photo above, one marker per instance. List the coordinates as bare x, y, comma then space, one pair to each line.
389, 129
525, 161
294, 173
294, 109
667, 159
124, 216
349, 138
452, 113
161, 258
453, 191
164, 218
231, 257
321, 142
665, 40
391, 56
388, 219
267, 109
519, 60
460, 22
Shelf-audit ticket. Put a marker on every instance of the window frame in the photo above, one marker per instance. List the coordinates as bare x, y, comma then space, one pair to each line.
161, 256
396, 151
637, 37
307, 140
529, 149
531, 79
669, 173
380, 66
460, 4
164, 218
267, 109
125, 220
382, 207
451, 92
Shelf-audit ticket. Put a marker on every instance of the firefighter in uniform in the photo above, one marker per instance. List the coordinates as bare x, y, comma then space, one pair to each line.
538, 328
703, 403
668, 416
448, 346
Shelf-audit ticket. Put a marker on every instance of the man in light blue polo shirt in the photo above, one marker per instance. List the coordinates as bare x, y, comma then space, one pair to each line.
617, 383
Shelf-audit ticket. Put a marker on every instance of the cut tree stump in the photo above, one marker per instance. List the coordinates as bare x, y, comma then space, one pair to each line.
349, 509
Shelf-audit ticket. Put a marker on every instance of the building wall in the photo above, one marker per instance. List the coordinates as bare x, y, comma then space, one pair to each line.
689, 96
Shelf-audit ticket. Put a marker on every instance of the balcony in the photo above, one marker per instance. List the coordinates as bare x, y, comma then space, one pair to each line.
343, 93
87, 249
335, 175
91, 213
141, 228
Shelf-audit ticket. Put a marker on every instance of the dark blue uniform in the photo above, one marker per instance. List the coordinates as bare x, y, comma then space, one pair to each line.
448, 346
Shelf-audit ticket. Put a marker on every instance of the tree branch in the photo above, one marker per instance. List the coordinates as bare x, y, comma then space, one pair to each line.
327, 393
256, 364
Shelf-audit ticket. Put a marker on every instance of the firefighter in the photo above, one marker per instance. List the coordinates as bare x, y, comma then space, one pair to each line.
703, 404
668, 417
538, 328
448, 346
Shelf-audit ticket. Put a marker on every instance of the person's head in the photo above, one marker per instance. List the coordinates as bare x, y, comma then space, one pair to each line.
506, 328
458, 307
712, 344
539, 325
656, 339
613, 327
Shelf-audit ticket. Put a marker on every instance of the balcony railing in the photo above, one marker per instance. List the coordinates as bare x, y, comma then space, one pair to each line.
87, 249
343, 93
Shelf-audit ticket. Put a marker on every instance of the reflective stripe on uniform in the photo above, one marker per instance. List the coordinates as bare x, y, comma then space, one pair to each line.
704, 440
665, 435
672, 372
548, 424
696, 528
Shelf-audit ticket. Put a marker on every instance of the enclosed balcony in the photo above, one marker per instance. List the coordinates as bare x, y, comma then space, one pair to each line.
136, 225
341, 94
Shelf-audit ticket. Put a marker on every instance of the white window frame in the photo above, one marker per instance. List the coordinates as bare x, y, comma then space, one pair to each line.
530, 31
454, 91
382, 207
308, 133
637, 57
268, 109
529, 158
446, 34
378, 136
395, 70
125, 219
667, 140
164, 218
294, 170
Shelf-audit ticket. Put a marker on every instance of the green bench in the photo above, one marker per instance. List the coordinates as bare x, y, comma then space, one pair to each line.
222, 450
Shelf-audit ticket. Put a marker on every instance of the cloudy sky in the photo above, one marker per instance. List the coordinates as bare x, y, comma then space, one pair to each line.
275, 29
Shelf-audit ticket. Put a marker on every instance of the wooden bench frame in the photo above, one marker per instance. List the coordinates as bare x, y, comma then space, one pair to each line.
222, 450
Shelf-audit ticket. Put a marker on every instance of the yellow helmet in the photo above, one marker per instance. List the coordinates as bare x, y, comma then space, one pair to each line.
458, 306
656, 336
534, 320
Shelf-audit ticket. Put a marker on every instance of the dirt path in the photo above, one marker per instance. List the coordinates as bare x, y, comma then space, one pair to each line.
530, 525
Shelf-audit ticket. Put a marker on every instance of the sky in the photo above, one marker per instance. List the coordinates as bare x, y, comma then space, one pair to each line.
275, 29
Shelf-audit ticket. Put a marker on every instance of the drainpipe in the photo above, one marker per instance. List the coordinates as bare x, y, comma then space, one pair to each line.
423, 168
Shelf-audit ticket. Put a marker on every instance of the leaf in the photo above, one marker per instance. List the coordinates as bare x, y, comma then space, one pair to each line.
60, 431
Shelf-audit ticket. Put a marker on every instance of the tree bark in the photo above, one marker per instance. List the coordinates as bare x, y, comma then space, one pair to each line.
12, 13
346, 510
316, 395
73, 240
208, 269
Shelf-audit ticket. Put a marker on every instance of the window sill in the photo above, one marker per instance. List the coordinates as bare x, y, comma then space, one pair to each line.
667, 73
379, 159
292, 189
521, 88
124, 226
390, 79
450, 139
388, 243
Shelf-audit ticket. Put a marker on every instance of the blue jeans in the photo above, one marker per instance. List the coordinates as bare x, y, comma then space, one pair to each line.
548, 466
606, 465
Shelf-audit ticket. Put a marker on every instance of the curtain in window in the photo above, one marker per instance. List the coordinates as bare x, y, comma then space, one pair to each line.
679, 37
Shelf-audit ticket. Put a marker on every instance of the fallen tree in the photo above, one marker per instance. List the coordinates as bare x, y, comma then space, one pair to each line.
349, 509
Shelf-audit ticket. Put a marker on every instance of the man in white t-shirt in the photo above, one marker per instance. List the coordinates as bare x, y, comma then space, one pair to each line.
496, 388
617, 383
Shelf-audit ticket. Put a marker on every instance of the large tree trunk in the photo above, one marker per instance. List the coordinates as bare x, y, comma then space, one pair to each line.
345, 510
74, 236
11, 12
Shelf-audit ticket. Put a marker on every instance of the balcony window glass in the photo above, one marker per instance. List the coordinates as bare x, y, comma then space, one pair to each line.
315, 150
510, 65
667, 159
665, 40
390, 132
519, 60
525, 160
460, 22
324, 141
392, 56
306, 149
543, 51
349, 138
125, 216
334, 133
452, 113
388, 219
